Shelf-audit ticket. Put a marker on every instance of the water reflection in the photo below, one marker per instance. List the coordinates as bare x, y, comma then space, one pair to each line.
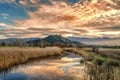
16, 76
50, 69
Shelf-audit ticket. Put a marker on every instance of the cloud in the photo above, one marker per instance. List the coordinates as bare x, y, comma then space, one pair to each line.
6, 26
34, 1
23, 2
5, 16
7, 1
89, 19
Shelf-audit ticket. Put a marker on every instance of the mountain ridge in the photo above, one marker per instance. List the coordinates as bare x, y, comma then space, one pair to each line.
49, 40
58, 39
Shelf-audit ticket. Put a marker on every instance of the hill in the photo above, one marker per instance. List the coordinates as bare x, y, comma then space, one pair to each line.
57, 40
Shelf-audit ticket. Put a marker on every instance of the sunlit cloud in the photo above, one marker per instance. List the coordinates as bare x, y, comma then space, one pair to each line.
23, 2
6, 26
95, 18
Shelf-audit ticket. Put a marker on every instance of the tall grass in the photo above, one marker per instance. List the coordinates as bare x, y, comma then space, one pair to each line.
103, 68
12, 56
97, 72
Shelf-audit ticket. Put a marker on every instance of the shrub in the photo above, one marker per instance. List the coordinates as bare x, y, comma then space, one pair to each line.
99, 60
112, 62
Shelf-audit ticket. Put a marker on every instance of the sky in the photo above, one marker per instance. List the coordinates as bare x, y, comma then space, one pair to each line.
70, 18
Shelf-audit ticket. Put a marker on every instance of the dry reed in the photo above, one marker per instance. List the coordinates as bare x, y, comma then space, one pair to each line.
13, 56
96, 72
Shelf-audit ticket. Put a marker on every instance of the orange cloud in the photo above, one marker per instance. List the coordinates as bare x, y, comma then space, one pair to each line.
23, 2
61, 16
34, 1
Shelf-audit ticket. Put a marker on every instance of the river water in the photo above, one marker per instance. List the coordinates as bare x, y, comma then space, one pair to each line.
67, 67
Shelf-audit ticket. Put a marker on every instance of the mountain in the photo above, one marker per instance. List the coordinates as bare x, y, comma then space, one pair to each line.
59, 39
98, 41
56, 40
15, 40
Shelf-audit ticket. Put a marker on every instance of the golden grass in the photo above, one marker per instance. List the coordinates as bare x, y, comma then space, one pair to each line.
79, 51
108, 52
12, 56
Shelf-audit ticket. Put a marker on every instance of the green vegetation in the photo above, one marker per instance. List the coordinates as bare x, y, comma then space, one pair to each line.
14, 55
101, 60
98, 60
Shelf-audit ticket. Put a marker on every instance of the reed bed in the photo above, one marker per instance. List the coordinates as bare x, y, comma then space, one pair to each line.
12, 56
97, 72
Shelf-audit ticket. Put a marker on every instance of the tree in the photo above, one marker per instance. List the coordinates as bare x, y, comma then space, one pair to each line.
4, 43
21, 43
42, 44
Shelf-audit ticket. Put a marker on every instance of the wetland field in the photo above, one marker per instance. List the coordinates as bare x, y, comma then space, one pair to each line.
65, 63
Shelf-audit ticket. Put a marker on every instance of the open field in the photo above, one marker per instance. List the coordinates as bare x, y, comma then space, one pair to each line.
108, 52
14, 55
112, 53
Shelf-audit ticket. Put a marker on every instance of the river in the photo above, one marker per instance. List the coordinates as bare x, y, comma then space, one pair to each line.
68, 67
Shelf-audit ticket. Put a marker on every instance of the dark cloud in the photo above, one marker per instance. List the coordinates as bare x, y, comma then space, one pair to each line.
80, 30
113, 28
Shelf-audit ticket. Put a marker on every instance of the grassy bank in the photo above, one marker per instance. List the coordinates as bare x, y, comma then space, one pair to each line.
100, 66
103, 68
10, 56
79, 51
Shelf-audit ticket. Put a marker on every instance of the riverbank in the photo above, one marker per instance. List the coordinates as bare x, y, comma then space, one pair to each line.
66, 67
95, 66
13, 56
101, 65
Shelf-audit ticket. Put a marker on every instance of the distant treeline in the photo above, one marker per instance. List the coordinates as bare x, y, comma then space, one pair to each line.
104, 46
110, 47
41, 44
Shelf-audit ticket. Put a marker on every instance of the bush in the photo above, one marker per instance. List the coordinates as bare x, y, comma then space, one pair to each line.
99, 60
112, 62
